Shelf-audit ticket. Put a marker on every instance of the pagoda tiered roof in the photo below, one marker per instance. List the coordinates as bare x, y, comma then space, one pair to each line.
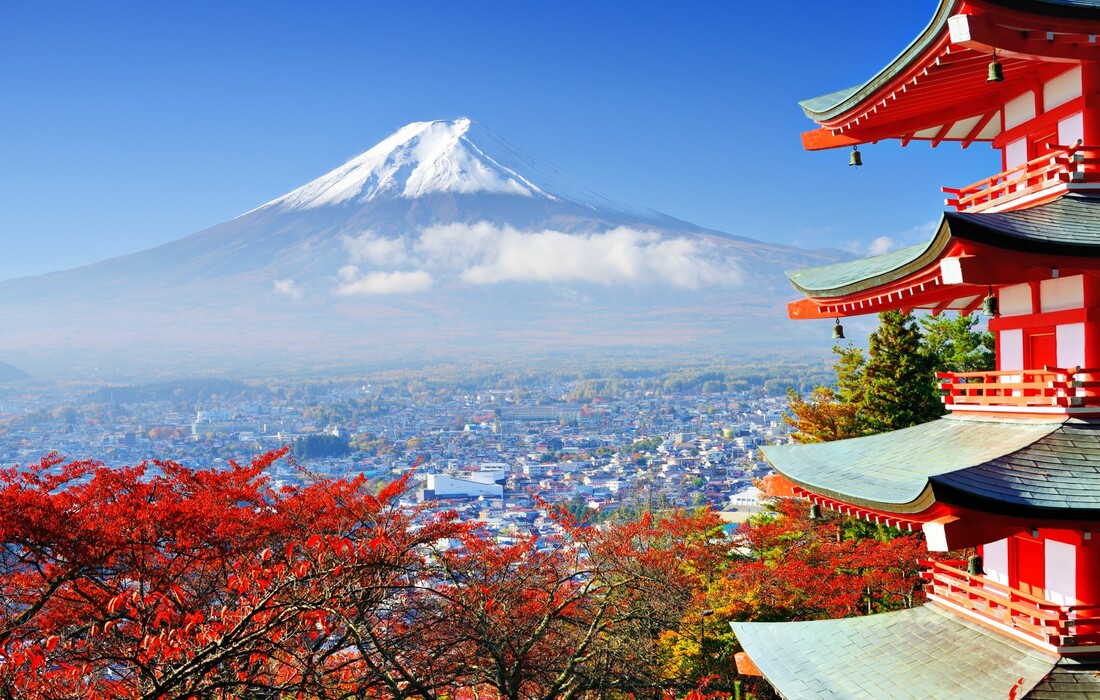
924, 652
947, 272
1013, 474
1048, 469
916, 96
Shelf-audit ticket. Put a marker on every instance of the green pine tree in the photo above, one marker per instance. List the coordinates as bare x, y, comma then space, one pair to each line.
956, 346
898, 387
892, 386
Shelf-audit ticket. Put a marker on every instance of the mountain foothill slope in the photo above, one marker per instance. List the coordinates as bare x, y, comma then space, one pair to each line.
442, 240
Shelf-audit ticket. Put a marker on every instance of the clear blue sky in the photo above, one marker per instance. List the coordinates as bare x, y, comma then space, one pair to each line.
128, 124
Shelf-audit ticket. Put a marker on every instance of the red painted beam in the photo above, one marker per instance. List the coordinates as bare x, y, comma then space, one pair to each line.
824, 139
983, 33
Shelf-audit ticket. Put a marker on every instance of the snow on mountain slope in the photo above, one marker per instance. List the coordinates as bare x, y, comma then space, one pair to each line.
443, 238
453, 157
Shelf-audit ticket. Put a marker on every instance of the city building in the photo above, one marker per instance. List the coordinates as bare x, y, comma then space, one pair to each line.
1013, 471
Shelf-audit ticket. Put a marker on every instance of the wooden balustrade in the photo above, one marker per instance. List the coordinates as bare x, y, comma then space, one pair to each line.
1050, 623
1049, 388
1062, 168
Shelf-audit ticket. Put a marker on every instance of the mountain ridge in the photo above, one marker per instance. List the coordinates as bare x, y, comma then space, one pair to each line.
440, 241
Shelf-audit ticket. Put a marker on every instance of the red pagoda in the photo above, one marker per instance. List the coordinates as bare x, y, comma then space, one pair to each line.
1013, 470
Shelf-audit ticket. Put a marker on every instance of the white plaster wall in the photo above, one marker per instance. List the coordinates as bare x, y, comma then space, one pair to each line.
1070, 339
1071, 129
1061, 572
995, 561
1062, 89
1020, 110
1062, 293
445, 485
1014, 300
1015, 154
1010, 349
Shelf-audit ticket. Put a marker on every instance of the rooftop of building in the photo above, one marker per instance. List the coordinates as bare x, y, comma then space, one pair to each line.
1040, 468
1027, 244
915, 96
1068, 225
917, 653
923, 652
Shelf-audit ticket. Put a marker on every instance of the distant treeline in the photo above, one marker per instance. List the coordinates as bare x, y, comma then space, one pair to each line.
182, 390
373, 395
320, 446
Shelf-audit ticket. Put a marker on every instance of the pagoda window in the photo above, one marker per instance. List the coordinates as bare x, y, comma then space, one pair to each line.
1019, 110
1060, 572
1015, 154
1015, 300
1010, 350
1062, 293
1062, 89
995, 560
1071, 129
1071, 345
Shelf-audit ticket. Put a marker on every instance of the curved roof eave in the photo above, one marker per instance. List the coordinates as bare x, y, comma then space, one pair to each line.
926, 652
834, 104
897, 472
853, 276
1067, 226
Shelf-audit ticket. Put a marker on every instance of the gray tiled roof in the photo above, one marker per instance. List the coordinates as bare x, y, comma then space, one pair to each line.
896, 471
1071, 679
913, 654
1058, 471
1069, 225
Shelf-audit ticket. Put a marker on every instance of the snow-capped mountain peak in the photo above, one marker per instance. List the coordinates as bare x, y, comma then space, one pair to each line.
458, 157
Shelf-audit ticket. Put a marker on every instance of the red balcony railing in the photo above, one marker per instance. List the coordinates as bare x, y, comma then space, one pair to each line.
1062, 168
1074, 390
1007, 608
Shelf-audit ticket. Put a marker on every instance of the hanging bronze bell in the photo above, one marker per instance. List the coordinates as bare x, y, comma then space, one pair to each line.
974, 566
996, 72
838, 331
815, 512
856, 159
989, 305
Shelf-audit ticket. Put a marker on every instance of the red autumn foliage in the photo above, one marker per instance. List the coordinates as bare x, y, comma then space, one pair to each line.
161, 582
797, 568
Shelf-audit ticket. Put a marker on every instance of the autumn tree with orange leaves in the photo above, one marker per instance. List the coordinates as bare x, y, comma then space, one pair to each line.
159, 582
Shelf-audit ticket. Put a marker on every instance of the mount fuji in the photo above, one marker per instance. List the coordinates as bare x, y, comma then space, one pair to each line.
442, 241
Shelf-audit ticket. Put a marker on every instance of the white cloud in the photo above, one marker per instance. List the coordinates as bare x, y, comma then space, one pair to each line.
882, 244
377, 283
485, 254
289, 287
367, 247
